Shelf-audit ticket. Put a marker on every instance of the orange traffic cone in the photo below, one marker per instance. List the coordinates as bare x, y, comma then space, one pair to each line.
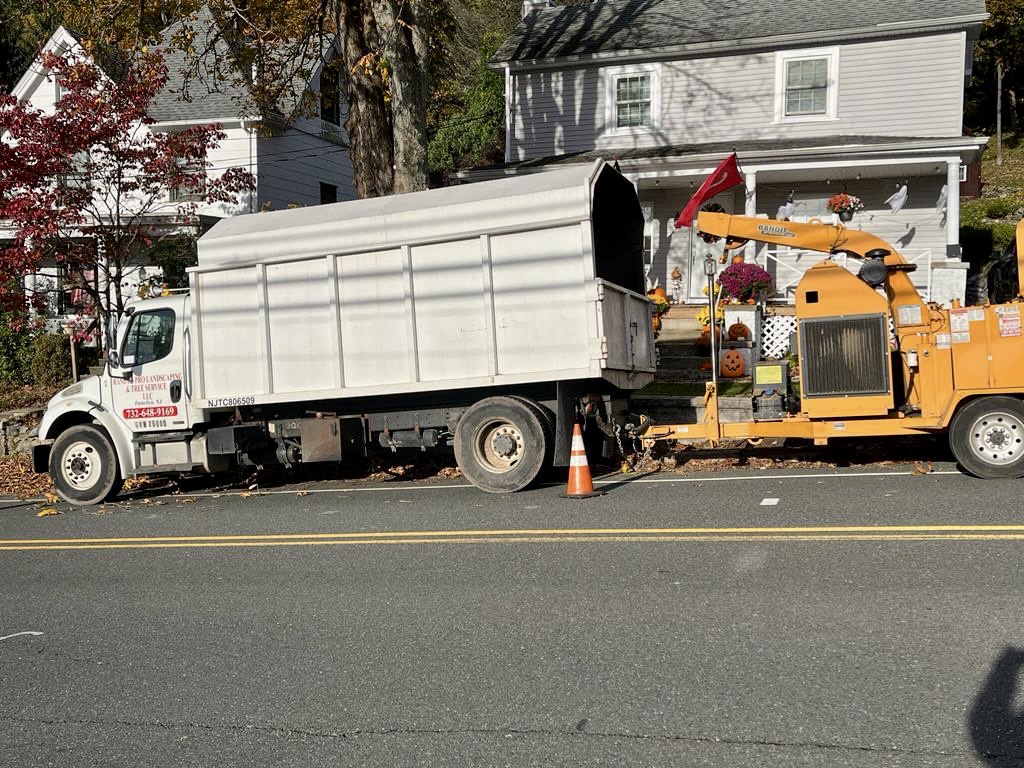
581, 486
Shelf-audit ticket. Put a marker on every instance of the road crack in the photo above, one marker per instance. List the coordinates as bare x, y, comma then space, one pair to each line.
574, 733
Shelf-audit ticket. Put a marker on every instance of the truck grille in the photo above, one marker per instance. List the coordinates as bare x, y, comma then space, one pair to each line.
844, 356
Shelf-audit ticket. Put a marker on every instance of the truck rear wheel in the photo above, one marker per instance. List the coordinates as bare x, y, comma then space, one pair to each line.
502, 444
987, 437
83, 466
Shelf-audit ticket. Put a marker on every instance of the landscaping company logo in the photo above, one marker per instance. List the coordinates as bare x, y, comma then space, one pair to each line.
775, 229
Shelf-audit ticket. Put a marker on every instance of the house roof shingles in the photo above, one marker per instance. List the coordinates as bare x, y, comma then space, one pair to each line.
196, 90
611, 27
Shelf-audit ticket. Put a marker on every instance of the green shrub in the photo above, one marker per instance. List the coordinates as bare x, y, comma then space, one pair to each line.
51, 360
1002, 235
999, 207
15, 353
972, 214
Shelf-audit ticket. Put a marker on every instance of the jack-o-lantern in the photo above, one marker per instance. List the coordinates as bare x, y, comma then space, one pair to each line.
733, 365
738, 331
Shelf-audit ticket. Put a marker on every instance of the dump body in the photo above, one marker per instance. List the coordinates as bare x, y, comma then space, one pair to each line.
531, 279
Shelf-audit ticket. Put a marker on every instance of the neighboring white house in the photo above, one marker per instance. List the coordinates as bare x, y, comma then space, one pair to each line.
296, 159
866, 98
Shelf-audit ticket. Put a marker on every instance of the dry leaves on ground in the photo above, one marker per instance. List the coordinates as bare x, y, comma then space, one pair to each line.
18, 479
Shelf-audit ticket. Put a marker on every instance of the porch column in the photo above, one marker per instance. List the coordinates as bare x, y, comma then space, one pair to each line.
750, 209
953, 250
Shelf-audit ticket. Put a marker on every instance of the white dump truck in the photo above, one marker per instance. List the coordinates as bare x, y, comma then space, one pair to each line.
475, 317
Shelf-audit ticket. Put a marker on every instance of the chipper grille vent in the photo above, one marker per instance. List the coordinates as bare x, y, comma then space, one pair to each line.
844, 356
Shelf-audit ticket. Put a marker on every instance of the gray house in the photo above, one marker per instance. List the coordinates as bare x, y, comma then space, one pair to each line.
864, 98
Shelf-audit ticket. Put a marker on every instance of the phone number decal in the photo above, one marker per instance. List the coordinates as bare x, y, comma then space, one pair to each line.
153, 412
231, 401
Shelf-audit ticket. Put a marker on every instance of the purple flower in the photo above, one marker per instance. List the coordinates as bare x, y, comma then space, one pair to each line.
743, 281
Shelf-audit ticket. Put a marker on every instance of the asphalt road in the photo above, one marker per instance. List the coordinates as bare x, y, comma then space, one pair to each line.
785, 619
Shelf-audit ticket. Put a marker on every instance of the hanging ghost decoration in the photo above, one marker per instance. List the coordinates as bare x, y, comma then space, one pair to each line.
787, 209
897, 200
940, 204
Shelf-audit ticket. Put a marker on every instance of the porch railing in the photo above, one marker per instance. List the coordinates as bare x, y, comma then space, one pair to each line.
789, 266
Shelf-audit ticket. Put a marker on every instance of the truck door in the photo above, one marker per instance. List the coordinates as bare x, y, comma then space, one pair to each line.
151, 397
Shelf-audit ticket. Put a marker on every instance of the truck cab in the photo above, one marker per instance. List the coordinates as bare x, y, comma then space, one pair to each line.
133, 417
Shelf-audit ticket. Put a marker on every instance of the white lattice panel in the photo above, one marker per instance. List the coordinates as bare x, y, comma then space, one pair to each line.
776, 331
775, 334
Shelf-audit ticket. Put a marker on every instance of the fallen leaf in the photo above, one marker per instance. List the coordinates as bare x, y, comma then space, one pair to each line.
302, 493
48, 511
52, 498
186, 501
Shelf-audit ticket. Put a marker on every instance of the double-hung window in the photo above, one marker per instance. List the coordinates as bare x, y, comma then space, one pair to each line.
192, 181
633, 101
632, 96
806, 87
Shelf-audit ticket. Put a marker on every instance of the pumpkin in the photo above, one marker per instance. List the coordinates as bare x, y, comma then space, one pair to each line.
738, 331
739, 259
732, 365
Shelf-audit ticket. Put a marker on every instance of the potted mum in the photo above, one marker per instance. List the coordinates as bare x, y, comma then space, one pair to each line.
845, 205
661, 307
742, 282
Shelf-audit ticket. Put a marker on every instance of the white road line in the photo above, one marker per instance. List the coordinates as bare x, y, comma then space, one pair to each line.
18, 634
769, 502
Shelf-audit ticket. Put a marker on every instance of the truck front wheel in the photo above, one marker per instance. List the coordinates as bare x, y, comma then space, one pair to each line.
501, 444
987, 437
83, 466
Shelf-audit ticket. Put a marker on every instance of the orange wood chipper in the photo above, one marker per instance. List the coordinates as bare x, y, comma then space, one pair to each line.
875, 359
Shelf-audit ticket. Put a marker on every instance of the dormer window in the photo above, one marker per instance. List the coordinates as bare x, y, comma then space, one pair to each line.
806, 85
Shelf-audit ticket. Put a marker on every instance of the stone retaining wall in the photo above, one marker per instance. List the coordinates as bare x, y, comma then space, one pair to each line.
18, 429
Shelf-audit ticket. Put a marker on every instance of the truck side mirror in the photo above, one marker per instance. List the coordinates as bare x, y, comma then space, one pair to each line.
114, 365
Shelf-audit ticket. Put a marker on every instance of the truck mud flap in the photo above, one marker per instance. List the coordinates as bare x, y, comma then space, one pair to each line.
41, 457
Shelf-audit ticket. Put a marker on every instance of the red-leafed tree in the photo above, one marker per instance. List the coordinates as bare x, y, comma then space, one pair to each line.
89, 185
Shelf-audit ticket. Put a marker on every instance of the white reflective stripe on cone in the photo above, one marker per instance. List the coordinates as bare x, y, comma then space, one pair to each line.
578, 459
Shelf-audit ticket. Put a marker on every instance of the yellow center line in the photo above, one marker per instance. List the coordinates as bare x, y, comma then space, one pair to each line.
541, 535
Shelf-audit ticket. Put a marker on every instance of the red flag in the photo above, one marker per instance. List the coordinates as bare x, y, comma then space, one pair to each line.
725, 176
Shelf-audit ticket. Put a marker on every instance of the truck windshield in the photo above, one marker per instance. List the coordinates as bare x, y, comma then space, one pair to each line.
149, 337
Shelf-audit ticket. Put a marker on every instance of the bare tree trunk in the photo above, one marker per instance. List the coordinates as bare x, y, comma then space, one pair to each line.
367, 125
404, 45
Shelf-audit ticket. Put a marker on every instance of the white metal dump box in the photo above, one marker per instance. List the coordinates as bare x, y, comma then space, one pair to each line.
526, 279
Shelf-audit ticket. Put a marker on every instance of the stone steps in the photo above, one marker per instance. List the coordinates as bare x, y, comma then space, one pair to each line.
667, 409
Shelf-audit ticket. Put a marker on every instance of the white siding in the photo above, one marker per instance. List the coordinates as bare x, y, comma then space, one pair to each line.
900, 87
292, 165
918, 231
